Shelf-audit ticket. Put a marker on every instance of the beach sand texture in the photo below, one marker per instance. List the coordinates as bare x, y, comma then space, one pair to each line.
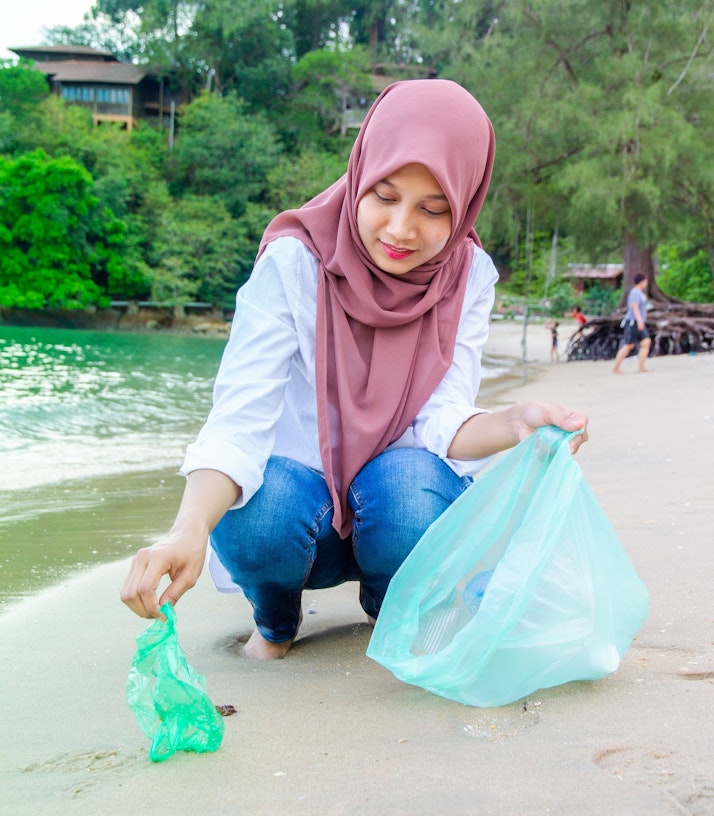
328, 732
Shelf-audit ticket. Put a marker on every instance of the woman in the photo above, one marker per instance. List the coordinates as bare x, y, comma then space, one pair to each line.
635, 334
344, 420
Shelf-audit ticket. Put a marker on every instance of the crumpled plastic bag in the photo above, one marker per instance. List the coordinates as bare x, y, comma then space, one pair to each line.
168, 696
521, 584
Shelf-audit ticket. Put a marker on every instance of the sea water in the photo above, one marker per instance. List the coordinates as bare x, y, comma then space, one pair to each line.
93, 428
75, 404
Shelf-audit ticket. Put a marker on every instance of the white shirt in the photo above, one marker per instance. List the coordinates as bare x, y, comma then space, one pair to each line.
264, 399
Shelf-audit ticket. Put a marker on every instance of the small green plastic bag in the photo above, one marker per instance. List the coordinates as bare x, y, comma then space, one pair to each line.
168, 696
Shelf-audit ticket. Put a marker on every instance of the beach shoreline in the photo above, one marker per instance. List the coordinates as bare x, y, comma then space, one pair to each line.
329, 732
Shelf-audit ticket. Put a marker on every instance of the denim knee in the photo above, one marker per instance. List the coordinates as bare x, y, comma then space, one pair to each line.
395, 498
268, 539
270, 546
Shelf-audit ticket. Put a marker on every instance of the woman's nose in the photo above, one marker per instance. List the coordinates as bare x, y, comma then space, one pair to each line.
401, 225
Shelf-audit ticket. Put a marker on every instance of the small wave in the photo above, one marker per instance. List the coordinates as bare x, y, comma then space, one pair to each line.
64, 460
76, 404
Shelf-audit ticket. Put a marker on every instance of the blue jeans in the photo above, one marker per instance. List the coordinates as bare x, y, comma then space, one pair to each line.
282, 541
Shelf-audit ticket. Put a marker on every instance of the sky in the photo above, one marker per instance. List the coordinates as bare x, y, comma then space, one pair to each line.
22, 21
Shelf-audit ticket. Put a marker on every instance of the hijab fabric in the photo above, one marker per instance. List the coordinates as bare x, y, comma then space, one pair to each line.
384, 342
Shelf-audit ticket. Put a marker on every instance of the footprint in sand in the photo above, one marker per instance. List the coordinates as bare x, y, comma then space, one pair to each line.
685, 782
97, 763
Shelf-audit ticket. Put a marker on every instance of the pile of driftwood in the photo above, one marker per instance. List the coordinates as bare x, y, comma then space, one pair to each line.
675, 328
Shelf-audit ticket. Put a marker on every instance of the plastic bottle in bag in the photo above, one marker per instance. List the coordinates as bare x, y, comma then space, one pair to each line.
440, 625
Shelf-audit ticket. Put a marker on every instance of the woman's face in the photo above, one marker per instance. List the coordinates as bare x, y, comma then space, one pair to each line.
404, 220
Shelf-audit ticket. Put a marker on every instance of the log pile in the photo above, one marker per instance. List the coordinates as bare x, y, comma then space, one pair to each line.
675, 328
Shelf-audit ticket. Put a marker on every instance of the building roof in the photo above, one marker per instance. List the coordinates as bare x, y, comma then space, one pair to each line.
595, 271
50, 53
115, 73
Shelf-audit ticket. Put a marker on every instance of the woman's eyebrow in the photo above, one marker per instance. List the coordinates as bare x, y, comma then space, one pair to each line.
431, 197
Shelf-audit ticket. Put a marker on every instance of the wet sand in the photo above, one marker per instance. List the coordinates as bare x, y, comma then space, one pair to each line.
327, 731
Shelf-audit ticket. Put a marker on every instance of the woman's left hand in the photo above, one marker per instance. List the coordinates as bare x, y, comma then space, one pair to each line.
488, 433
531, 415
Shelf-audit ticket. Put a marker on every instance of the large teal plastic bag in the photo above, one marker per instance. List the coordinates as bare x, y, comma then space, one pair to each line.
168, 696
520, 585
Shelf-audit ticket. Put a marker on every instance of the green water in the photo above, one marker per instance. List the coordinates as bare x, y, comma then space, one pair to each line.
93, 427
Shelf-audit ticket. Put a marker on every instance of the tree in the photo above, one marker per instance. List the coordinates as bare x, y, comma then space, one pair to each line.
685, 273
196, 253
328, 80
250, 54
224, 150
314, 24
58, 129
118, 36
168, 16
295, 179
599, 137
57, 246
22, 88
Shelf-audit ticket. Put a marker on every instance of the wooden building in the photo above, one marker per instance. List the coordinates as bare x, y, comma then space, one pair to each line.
582, 276
113, 91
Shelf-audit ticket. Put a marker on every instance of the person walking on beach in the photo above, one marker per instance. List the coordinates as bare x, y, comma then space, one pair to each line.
344, 419
636, 333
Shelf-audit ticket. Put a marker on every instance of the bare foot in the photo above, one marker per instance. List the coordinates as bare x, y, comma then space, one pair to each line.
258, 648
644, 370
616, 371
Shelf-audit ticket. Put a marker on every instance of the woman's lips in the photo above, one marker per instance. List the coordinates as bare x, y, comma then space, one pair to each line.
395, 253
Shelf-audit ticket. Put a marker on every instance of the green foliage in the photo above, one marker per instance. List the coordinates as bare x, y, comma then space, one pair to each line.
250, 230
296, 179
537, 264
224, 151
100, 31
603, 115
57, 246
600, 300
686, 273
196, 253
21, 87
126, 168
605, 136
562, 298
315, 23
329, 81
59, 130
248, 53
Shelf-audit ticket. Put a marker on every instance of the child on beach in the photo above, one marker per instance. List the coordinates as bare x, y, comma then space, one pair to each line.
344, 418
554, 354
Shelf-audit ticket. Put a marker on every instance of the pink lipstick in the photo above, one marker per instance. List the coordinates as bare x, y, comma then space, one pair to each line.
395, 253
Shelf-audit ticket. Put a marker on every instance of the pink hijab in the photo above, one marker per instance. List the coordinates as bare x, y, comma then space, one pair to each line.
384, 342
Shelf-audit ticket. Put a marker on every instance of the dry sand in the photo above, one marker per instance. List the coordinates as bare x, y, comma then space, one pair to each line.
329, 732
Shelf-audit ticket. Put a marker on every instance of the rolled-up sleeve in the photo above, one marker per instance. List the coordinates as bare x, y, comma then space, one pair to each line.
454, 400
248, 396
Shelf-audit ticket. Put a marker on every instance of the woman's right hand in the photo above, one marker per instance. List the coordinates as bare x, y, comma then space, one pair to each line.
180, 556
182, 553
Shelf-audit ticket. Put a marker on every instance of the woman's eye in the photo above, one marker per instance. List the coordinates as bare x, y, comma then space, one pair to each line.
383, 198
435, 213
